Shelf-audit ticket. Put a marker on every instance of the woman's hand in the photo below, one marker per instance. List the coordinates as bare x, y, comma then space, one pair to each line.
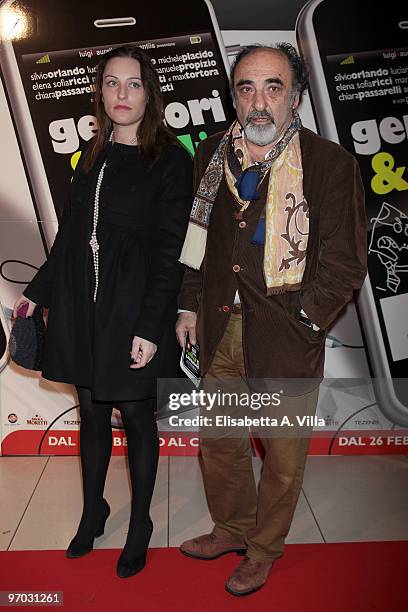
142, 352
23, 300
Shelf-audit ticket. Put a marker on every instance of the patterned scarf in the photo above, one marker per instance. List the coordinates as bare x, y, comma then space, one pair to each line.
286, 223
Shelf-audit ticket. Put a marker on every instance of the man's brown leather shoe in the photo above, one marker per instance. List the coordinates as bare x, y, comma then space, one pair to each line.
248, 577
211, 546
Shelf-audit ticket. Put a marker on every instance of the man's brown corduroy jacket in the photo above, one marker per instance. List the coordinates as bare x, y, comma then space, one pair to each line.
276, 344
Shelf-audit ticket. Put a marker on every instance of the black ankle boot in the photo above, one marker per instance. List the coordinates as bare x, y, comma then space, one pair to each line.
80, 546
133, 557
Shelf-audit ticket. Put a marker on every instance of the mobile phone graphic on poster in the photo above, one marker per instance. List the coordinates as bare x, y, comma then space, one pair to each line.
358, 61
48, 57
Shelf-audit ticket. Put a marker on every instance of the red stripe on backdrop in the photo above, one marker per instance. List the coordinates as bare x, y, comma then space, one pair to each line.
66, 442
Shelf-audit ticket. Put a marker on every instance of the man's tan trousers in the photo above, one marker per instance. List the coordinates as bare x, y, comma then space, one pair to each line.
260, 518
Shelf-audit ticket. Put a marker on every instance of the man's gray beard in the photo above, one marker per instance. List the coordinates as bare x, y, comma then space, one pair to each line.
260, 135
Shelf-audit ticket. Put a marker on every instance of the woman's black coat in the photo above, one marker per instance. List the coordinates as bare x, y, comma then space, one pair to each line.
144, 211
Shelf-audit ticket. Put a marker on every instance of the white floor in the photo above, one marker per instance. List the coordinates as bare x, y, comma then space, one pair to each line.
344, 499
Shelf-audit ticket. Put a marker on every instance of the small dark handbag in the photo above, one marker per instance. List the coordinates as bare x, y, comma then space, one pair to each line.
27, 340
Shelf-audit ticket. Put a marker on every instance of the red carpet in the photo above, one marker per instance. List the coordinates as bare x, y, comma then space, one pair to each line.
361, 577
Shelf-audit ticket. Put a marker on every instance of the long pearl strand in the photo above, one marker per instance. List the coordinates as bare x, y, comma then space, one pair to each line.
94, 240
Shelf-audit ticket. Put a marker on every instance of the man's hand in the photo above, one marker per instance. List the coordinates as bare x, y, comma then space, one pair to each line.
23, 300
186, 322
142, 352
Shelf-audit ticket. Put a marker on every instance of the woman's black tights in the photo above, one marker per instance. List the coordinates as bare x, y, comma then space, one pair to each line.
143, 453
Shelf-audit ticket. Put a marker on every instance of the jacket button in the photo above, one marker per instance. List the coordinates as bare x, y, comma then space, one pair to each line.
236, 268
226, 308
242, 224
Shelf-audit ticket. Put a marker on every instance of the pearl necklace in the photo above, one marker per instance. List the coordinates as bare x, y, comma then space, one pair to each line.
94, 240
131, 142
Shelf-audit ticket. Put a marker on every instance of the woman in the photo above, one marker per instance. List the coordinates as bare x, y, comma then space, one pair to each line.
111, 282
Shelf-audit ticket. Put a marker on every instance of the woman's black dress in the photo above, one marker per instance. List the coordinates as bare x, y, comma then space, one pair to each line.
144, 211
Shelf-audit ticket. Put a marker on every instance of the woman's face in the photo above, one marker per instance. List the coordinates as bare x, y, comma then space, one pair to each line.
124, 96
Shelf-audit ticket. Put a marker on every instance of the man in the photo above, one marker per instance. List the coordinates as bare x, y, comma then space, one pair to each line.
275, 247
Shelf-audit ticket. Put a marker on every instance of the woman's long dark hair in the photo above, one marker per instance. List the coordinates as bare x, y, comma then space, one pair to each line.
152, 135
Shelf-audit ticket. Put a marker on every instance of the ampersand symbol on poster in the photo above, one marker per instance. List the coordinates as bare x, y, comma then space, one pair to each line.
386, 178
